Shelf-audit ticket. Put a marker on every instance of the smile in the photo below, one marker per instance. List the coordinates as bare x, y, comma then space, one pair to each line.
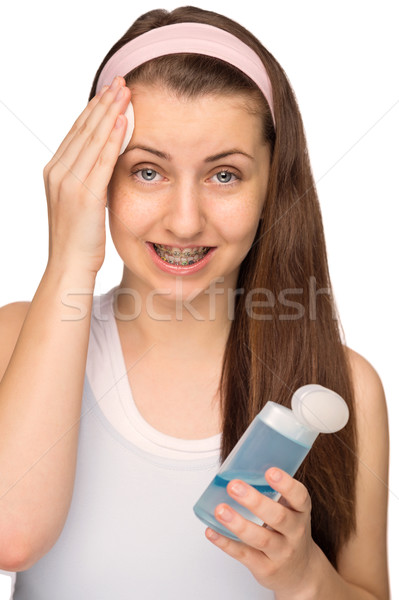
175, 256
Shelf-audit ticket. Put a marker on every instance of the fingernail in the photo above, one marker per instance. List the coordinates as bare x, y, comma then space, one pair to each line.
275, 474
225, 514
212, 535
239, 489
115, 83
119, 122
120, 94
103, 89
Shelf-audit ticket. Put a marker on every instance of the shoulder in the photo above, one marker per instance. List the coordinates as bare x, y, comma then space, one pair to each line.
371, 413
367, 384
363, 559
12, 317
361, 367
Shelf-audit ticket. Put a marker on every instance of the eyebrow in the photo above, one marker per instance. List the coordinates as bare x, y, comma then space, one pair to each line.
209, 159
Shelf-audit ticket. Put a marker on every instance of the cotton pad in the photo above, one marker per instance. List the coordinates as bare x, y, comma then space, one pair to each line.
129, 113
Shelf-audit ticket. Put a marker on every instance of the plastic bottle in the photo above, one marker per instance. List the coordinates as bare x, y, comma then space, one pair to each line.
277, 437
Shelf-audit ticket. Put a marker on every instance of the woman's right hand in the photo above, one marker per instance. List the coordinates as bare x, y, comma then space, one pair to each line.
76, 181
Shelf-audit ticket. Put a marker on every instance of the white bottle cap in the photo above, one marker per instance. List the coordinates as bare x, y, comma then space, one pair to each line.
319, 408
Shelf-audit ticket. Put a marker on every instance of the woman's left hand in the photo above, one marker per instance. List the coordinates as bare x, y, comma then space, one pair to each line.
279, 555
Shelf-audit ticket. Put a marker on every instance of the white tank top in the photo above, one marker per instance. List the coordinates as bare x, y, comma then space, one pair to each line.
131, 532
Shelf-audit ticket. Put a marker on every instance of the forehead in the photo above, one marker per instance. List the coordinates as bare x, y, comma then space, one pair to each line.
161, 113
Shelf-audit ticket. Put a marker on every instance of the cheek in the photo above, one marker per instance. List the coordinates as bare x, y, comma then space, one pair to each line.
128, 215
239, 223
240, 214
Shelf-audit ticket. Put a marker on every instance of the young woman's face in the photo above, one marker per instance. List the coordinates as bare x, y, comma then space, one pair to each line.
187, 197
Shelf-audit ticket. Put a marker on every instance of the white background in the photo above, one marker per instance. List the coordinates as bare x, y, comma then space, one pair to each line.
342, 60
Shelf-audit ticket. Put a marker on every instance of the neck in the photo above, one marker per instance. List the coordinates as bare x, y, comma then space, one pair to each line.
193, 324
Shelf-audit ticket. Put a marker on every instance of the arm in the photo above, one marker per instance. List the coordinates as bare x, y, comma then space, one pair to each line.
287, 559
363, 560
40, 404
362, 566
41, 390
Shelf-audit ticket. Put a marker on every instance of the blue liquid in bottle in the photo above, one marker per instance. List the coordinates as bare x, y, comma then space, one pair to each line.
260, 448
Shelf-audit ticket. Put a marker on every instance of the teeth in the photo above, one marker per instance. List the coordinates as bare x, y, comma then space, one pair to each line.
173, 255
185, 252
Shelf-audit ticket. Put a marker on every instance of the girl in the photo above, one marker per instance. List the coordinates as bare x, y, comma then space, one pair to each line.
116, 410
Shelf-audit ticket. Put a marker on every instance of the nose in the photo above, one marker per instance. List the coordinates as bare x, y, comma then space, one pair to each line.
184, 217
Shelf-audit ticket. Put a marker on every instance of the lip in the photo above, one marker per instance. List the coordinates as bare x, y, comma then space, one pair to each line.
174, 269
181, 247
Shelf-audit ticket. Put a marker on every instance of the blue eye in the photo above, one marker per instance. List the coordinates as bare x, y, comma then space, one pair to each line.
229, 174
151, 173
146, 171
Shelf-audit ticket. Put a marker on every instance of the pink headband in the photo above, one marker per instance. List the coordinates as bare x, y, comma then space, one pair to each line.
197, 38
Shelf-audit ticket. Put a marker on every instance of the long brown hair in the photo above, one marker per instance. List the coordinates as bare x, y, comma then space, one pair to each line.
271, 353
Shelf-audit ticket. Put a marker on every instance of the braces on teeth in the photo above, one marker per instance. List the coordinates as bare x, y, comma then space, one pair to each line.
185, 257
